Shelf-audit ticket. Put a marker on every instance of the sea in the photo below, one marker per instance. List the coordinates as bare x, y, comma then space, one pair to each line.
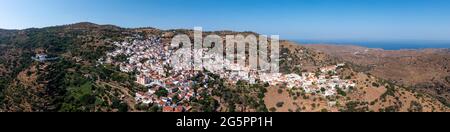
386, 45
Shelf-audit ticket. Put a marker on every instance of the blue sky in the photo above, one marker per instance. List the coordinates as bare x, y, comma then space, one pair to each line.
291, 19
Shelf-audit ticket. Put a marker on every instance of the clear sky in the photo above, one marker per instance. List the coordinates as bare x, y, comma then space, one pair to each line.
291, 19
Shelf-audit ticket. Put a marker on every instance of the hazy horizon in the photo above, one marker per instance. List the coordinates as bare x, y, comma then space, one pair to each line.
372, 43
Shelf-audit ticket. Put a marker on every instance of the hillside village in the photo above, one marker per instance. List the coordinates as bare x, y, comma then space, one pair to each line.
151, 60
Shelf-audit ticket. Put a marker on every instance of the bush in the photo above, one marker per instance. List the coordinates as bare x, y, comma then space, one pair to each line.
280, 91
232, 108
415, 107
120, 58
390, 92
348, 77
29, 73
390, 109
375, 84
266, 84
323, 90
280, 104
341, 92
273, 109
354, 106
162, 92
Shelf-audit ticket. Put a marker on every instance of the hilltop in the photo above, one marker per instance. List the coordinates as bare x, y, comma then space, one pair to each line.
78, 82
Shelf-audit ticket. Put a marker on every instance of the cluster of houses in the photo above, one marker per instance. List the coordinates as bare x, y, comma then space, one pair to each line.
156, 69
325, 82
151, 59
322, 83
43, 58
216, 64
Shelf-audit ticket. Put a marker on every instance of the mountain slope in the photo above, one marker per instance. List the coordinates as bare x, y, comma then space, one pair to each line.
424, 70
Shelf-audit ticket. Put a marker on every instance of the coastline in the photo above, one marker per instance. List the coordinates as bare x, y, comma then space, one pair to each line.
385, 45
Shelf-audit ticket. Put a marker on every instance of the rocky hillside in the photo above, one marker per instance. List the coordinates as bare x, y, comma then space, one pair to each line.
424, 70
76, 82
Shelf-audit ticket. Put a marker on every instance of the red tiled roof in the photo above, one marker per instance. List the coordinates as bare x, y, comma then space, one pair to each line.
161, 102
167, 109
179, 109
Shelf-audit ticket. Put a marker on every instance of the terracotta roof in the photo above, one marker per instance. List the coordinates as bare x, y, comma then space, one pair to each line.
161, 102
167, 109
179, 109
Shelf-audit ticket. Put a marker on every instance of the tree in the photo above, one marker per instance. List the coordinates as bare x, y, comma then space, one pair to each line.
341, 92
323, 90
155, 108
330, 73
415, 107
68, 108
123, 107
280, 104
280, 91
162, 92
232, 108
375, 84
175, 98
273, 109
348, 77
266, 84
120, 58
29, 73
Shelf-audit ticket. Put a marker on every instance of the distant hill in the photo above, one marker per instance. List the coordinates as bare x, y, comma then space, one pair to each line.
76, 82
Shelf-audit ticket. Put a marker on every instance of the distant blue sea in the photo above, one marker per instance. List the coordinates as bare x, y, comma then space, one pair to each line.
387, 45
